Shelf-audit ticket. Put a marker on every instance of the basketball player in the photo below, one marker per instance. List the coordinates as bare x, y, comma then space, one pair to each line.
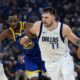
53, 41
16, 31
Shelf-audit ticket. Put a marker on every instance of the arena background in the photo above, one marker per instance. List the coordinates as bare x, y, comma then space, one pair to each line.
68, 11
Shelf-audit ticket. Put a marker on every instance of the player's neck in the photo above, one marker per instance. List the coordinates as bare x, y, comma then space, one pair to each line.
53, 26
17, 30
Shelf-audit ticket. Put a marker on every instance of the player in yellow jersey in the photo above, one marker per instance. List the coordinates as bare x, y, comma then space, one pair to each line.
33, 62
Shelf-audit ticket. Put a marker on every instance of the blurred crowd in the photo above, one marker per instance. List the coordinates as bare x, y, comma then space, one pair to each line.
67, 11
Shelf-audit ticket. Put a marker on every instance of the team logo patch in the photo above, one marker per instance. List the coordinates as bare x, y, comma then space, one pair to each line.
28, 44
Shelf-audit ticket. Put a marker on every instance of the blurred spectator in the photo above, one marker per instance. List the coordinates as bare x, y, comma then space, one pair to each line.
1, 48
10, 72
1, 24
33, 17
21, 3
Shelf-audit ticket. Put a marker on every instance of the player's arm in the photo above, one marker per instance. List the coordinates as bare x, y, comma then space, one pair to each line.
27, 28
34, 30
29, 33
4, 35
27, 25
71, 36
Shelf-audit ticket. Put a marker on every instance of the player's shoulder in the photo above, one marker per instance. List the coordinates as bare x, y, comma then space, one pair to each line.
27, 25
37, 23
36, 27
6, 31
66, 27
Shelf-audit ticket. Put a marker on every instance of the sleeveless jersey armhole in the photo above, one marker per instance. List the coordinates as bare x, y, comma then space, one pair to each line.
61, 33
40, 30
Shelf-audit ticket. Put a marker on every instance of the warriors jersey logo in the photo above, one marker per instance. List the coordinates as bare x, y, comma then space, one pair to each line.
28, 44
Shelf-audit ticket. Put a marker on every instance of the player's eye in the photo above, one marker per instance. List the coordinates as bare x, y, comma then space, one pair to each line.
11, 21
15, 20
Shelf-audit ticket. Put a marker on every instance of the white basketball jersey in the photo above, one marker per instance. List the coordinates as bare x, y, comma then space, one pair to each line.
51, 45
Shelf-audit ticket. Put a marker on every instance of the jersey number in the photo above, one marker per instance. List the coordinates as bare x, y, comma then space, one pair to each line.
55, 45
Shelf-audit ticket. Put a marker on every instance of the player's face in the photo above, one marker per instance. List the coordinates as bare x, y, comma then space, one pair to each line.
13, 21
48, 19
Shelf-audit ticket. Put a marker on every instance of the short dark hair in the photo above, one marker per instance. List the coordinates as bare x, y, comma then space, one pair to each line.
51, 10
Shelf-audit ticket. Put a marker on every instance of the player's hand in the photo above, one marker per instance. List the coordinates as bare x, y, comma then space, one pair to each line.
78, 52
24, 40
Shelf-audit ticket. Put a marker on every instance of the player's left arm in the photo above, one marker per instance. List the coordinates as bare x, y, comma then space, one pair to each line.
26, 38
72, 37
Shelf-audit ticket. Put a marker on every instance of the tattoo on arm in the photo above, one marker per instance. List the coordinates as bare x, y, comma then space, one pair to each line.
78, 42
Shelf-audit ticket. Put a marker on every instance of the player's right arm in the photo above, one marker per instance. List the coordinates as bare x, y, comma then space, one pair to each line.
5, 34
35, 28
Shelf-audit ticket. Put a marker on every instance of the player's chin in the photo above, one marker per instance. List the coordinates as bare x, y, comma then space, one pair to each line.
47, 25
14, 26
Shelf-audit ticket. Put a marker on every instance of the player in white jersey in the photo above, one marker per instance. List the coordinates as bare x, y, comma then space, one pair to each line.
53, 42
2, 74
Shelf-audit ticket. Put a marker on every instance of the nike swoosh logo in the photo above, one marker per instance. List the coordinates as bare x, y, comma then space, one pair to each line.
44, 32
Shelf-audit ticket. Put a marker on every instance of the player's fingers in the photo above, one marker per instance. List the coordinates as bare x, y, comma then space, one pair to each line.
22, 41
